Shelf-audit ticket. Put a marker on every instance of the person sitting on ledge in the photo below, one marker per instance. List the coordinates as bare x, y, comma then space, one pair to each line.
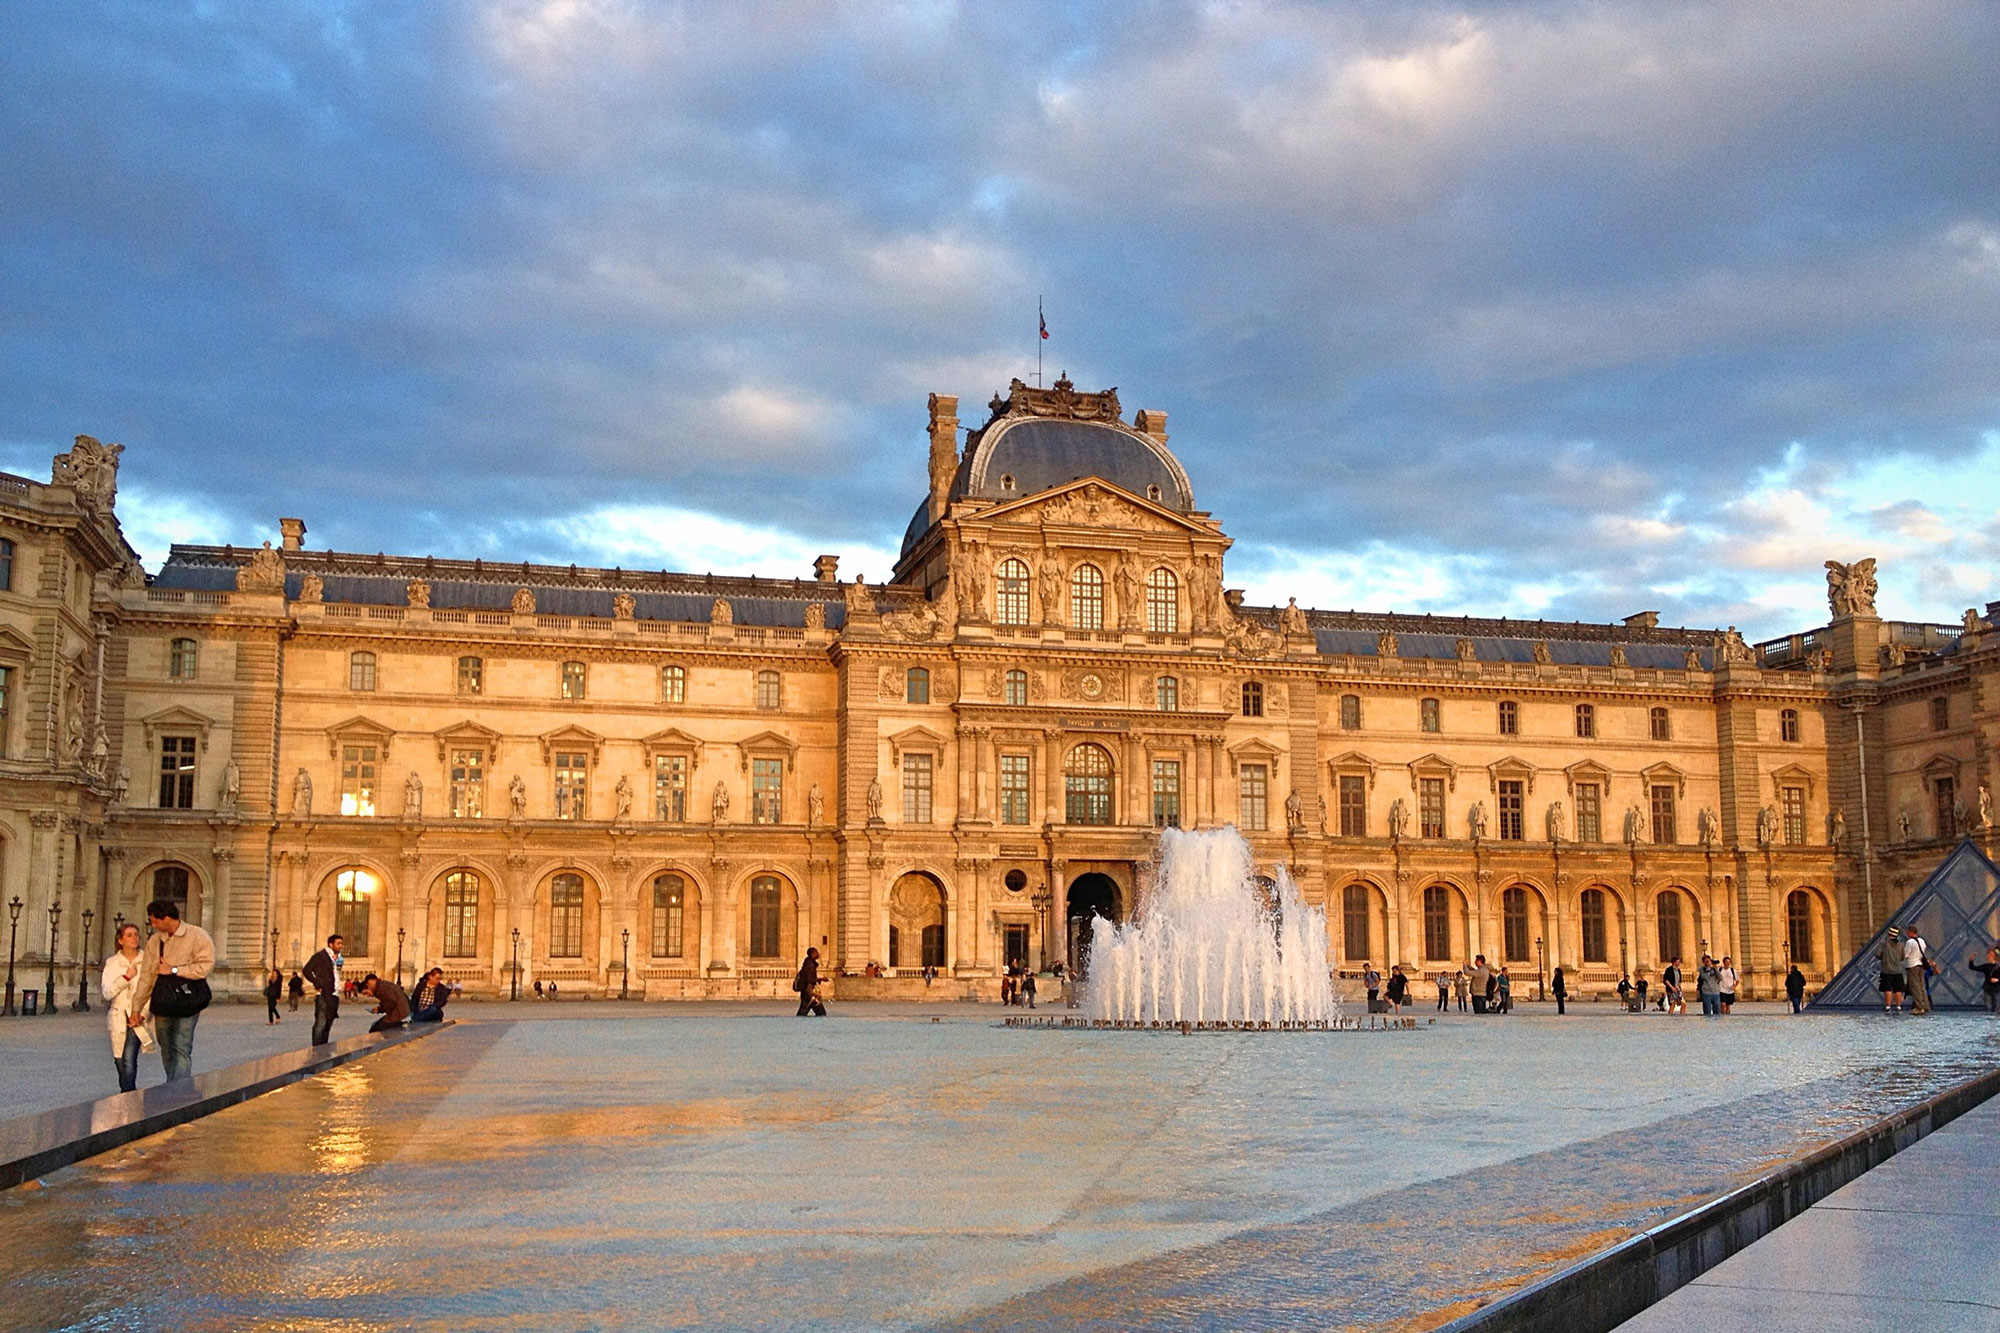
427, 1005
391, 1003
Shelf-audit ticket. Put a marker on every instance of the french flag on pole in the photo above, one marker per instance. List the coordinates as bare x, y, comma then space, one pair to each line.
1045, 323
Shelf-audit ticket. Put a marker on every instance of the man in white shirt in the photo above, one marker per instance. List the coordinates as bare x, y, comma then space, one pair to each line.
1916, 954
1731, 978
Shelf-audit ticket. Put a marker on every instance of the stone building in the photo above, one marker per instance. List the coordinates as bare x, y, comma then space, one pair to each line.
669, 785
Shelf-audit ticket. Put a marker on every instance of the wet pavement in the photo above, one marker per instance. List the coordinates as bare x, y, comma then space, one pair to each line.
734, 1169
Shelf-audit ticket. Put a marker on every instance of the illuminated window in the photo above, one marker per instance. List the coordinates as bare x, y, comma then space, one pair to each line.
357, 779
673, 684
1087, 785
566, 916
669, 915
471, 675
575, 680
1086, 597
572, 783
361, 671
468, 784
916, 789
1163, 602
461, 914
352, 890
1010, 593
670, 787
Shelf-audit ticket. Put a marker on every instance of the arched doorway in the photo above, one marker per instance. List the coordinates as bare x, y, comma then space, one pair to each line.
1090, 896
916, 922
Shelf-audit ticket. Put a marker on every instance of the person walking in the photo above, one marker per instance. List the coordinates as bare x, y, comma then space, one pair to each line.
323, 971
1890, 958
1505, 990
274, 990
1398, 989
1028, 986
1795, 988
806, 983
1990, 972
390, 1002
1461, 990
1708, 986
1670, 989
173, 986
1560, 989
131, 1032
1917, 965
1444, 992
1730, 980
296, 990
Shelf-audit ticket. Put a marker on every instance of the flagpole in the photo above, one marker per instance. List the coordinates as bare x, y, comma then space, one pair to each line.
1041, 323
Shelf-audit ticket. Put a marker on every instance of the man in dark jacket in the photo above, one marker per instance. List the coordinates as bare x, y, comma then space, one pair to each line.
1795, 988
427, 1004
323, 971
1989, 971
806, 983
390, 1002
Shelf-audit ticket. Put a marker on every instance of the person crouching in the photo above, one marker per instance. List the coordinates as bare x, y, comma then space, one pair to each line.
390, 1002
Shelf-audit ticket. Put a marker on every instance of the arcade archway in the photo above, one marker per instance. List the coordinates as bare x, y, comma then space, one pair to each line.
1090, 896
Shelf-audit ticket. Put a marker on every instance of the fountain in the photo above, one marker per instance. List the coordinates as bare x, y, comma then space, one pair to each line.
1211, 951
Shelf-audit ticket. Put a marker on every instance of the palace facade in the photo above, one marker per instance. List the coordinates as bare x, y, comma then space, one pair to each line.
668, 785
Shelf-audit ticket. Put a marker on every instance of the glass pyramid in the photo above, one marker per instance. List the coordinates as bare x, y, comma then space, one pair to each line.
1957, 910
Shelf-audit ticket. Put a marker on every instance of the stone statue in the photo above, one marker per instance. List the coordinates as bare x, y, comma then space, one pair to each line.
875, 800
1767, 826
302, 795
264, 573
1052, 581
1707, 827
1131, 600
121, 785
419, 593
1466, 651
623, 605
1985, 807
1399, 818
1692, 662
1850, 589
815, 616
1972, 621
232, 784
1293, 622
721, 612
1555, 821
91, 470
72, 720
312, 588
413, 796
1475, 820
1836, 828
524, 602
860, 602
1385, 644
1618, 658
517, 796
1903, 823
1205, 593
1634, 822
622, 793
815, 807
1729, 647
1542, 652
1295, 811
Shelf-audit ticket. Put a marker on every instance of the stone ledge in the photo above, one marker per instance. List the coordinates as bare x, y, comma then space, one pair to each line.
34, 1145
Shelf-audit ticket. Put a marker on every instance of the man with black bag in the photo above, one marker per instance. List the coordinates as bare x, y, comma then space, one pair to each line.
173, 985
323, 971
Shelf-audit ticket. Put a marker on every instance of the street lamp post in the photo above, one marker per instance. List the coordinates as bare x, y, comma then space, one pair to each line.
1541, 966
516, 984
274, 951
625, 962
49, 988
1043, 899
399, 955
82, 1005
13, 929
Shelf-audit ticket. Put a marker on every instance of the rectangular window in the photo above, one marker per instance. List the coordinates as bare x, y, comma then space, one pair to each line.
461, 914
1168, 694
670, 787
1429, 716
1663, 814
1589, 812
767, 791
1166, 793
6, 699
1661, 723
181, 659
1017, 945
1353, 807
1253, 698
361, 671
1255, 797
1086, 598
1017, 689
673, 685
1788, 724
177, 772
6, 565
572, 783
1944, 794
1355, 936
1586, 721
1794, 800
357, 779
1430, 807
1014, 788
916, 686
471, 675
1511, 803
669, 916
1594, 934
917, 789
1350, 712
1941, 713
575, 680
468, 784
1510, 718
769, 690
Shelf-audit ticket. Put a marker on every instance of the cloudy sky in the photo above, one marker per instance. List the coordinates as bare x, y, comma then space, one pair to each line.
1532, 309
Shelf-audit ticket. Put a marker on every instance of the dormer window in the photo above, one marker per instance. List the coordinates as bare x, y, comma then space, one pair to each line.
1007, 482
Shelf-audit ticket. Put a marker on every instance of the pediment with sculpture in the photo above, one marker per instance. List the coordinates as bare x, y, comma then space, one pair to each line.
1094, 503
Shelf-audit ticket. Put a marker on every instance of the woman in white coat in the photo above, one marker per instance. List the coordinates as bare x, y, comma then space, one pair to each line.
120, 982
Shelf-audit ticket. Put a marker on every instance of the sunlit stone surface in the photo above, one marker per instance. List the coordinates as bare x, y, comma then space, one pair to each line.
681, 1171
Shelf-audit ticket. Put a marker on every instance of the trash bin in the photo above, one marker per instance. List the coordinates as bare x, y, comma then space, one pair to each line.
29, 1001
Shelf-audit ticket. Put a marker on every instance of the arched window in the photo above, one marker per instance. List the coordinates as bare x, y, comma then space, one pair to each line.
1660, 723
1354, 920
1668, 904
361, 671
566, 916
181, 659
1595, 936
1798, 926
1350, 712
1788, 724
770, 691
1253, 698
351, 891
916, 686
1086, 597
1017, 688
1010, 593
764, 901
673, 684
669, 914
1514, 925
1087, 785
1167, 694
1437, 922
575, 680
170, 884
471, 675
461, 914
1429, 715
1163, 602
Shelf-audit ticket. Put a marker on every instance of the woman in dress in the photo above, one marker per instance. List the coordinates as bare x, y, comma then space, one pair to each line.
118, 985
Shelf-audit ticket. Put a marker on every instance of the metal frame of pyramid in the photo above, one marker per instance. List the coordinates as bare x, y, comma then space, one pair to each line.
1957, 910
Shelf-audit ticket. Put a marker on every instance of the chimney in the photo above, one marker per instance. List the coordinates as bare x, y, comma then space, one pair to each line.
1149, 422
944, 451
1643, 620
827, 569
294, 531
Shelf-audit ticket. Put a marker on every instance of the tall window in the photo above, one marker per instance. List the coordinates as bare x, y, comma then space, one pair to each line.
1163, 602
1254, 796
669, 911
1016, 688
1589, 812
1788, 724
176, 772
917, 788
1166, 793
1511, 805
1661, 724
6, 701
1253, 698
361, 671
1350, 712
1798, 925
670, 787
1353, 794
575, 680
468, 784
1510, 718
1013, 789
1430, 807
1354, 921
1167, 694
1663, 813
1514, 924
764, 900
351, 891
1086, 597
770, 691
471, 675
357, 779
916, 686
1010, 593
1944, 799
1437, 922
1586, 721
572, 783
1087, 785
673, 685
1594, 934
1668, 905
461, 914
1792, 801
1429, 716
6, 565
181, 659
170, 883
566, 916
1941, 713
767, 791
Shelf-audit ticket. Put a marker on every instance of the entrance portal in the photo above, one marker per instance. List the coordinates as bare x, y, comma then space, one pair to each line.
1090, 896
